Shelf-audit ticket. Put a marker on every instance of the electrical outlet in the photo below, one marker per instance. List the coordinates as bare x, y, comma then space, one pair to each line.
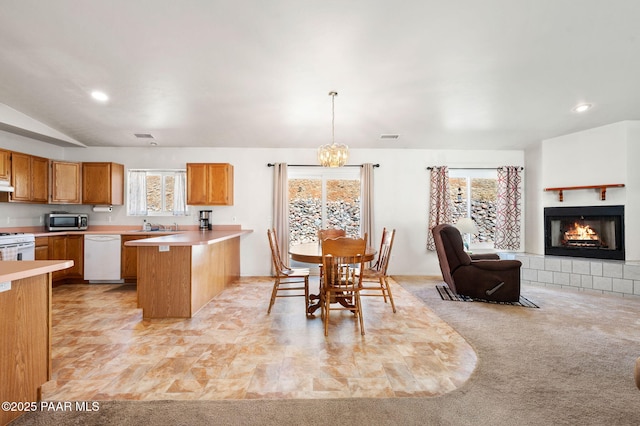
109, 218
233, 219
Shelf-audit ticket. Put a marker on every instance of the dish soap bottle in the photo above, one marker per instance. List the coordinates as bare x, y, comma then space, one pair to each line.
144, 225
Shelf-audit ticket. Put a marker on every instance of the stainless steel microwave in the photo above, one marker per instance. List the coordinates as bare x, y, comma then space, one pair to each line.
66, 221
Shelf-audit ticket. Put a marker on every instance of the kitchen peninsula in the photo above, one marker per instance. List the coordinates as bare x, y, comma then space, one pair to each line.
179, 274
25, 329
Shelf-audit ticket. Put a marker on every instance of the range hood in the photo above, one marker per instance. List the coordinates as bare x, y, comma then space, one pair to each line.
5, 186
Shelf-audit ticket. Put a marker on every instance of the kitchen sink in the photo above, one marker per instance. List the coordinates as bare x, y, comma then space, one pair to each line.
155, 230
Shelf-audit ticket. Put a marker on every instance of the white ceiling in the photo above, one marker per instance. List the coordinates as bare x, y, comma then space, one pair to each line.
496, 74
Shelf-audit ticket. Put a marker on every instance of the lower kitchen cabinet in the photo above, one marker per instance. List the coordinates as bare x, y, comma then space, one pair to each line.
129, 257
75, 252
68, 247
42, 248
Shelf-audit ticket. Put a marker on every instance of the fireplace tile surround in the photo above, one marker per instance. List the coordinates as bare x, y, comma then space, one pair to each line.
595, 275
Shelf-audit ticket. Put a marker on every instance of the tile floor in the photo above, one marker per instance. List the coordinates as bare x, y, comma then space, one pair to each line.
102, 349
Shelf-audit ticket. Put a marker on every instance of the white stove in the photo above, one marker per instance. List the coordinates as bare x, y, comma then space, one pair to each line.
17, 246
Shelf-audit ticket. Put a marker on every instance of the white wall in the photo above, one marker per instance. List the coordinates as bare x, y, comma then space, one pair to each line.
603, 155
632, 191
534, 239
400, 199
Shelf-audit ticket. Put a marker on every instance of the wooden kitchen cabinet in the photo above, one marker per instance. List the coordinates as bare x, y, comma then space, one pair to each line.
30, 179
42, 248
75, 252
65, 182
209, 184
58, 251
68, 247
102, 183
5, 164
129, 258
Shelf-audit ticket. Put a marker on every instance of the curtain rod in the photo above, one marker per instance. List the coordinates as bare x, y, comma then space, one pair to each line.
473, 168
318, 165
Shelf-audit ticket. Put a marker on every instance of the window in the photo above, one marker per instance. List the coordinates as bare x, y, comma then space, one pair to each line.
473, 193
323, 198
156, 193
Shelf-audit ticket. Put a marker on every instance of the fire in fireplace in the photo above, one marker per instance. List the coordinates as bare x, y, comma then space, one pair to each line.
581, 236
590, 231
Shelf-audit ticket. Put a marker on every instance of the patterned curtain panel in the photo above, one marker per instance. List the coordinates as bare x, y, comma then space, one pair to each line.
440, 206
508, 208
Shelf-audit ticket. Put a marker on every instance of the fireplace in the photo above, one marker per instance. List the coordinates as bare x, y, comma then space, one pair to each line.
589, 231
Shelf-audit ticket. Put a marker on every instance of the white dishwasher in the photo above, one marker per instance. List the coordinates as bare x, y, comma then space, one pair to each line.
102, 258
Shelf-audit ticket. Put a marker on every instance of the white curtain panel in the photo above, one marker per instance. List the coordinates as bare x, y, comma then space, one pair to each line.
180, 194
281, 209
366, 209
137, 193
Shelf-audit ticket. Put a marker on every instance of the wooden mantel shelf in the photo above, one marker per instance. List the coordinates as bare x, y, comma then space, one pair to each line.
602, 188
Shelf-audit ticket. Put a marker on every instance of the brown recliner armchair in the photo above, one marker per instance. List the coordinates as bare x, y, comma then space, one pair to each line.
479, 278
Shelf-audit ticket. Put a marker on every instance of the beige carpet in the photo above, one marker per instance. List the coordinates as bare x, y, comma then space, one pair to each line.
568, 363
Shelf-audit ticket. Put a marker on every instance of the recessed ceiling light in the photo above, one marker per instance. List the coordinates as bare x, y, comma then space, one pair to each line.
582, 107
99, 96
152, 143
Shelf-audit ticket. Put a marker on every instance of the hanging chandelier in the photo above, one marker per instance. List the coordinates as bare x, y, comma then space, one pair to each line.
333, 155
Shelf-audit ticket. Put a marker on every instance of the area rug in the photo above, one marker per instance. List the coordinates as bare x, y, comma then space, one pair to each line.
446, 294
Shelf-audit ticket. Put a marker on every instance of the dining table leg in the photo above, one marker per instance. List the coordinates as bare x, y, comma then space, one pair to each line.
314, 304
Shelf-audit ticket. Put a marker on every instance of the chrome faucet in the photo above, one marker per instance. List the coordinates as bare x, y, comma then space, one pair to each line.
175, 224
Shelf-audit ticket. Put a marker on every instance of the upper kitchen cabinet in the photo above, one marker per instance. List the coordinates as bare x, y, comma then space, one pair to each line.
102, 183
65, 182
5, 164
209, 184
30, 179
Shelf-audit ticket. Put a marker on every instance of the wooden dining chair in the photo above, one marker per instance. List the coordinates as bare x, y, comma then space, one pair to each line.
289, 282
378, 271
323, 234
341, 258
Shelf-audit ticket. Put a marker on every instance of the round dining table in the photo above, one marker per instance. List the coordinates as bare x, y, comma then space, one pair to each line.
312, 253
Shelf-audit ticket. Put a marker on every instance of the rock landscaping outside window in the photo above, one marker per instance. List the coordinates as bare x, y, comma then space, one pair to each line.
306, 214
476, 197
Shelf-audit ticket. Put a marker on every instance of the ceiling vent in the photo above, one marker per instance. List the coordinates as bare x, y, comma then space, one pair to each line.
389, 136
143, 135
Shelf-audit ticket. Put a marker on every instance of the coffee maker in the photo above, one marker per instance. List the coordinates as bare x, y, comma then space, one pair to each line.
205, 220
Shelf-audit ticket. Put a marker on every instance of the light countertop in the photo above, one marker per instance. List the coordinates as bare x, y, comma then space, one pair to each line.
190, 238
11, 270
